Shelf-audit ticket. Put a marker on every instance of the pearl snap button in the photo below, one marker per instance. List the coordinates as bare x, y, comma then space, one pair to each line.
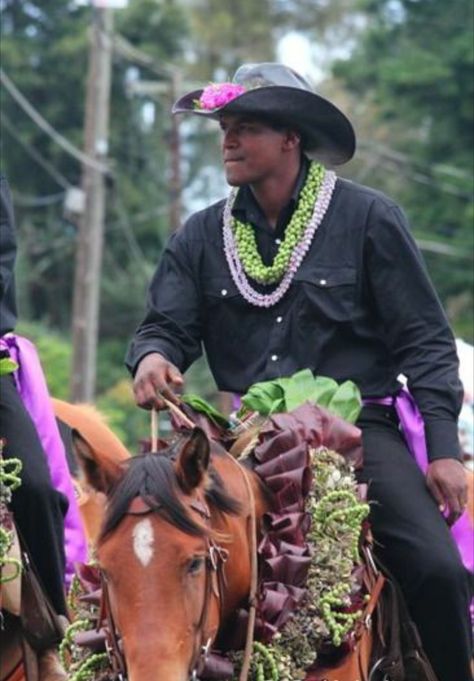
274, 358
279, 320
323, 282
224, 291
278, 241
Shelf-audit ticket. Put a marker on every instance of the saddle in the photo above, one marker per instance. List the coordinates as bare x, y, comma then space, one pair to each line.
30, 623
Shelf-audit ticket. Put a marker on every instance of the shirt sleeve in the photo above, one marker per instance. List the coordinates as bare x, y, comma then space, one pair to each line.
172, 323
415, 326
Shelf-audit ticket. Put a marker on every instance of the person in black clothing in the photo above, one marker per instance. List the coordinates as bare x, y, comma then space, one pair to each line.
37, 507
299, 268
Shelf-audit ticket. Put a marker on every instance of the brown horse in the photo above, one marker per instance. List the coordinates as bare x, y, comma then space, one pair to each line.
87, 421
106, 446
173, 535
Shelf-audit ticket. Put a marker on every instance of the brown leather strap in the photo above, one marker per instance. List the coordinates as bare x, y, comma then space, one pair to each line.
252, 536
114, 652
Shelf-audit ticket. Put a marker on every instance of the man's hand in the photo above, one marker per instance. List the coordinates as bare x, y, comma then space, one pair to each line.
446, 480
156, 378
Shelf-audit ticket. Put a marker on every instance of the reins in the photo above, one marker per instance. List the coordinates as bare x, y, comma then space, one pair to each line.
251, 533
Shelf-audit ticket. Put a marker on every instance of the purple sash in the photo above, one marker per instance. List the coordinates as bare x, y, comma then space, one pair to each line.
31, 385
413, 429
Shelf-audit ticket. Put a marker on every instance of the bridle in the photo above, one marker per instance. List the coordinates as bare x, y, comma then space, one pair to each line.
214, 583
215, 559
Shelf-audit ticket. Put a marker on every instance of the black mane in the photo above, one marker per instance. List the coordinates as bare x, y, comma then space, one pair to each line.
152, 478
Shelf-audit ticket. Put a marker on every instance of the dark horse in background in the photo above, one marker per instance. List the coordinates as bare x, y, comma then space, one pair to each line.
17, 660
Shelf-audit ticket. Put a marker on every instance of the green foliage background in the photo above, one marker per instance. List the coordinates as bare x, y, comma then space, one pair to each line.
401, 69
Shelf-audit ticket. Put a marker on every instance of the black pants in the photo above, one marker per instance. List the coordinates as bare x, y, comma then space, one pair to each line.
415, 544
37, 507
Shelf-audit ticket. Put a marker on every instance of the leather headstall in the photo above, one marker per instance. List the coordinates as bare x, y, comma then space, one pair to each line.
216, 556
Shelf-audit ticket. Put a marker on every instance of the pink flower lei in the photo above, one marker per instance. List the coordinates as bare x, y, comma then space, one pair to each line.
216, 95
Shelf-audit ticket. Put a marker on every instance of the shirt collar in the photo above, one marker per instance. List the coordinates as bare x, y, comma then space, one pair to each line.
246, 208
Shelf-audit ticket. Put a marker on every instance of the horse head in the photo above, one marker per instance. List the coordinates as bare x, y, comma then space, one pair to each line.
174, 552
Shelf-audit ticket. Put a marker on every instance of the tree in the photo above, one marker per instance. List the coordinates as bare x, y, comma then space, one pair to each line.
44, 53
412, 81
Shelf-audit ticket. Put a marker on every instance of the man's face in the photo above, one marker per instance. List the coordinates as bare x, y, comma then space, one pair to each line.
251, 150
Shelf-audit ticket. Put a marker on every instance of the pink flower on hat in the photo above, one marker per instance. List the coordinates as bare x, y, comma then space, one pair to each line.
217, 95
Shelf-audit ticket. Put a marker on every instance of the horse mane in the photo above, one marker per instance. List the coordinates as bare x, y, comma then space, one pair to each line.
152, 477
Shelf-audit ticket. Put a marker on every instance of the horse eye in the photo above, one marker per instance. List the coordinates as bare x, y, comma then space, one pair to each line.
195, 565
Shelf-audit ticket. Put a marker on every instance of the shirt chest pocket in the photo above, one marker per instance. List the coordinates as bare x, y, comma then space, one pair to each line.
326, 293
220, 292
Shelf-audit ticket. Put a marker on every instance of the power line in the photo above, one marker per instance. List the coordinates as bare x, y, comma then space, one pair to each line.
392, 165
398, 156
46, 165
443, 249
125, 49
37, 201
42, 123
135, 248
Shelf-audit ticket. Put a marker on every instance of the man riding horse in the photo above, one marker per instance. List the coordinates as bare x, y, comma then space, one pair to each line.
299, 268
44, 507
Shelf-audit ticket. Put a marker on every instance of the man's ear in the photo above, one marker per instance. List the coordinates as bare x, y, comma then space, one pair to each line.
292, 140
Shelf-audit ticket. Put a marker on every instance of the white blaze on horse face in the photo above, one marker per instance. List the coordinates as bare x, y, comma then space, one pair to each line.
143, 541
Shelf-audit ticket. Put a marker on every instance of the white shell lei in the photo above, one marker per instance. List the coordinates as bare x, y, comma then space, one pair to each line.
230, 248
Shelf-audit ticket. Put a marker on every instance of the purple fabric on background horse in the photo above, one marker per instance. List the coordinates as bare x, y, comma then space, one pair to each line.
33, 390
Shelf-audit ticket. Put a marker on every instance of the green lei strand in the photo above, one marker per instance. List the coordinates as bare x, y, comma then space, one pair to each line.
245, 237
88, 670
9, 481
337, 514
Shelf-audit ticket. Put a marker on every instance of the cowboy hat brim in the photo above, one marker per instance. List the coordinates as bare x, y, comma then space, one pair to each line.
327, 133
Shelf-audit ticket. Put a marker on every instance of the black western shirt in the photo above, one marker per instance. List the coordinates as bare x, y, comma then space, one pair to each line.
360, 307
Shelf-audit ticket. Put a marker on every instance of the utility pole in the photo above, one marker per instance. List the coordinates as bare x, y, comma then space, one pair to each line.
86, 298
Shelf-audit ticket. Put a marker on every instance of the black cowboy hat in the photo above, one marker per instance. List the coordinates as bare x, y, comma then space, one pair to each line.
276, 93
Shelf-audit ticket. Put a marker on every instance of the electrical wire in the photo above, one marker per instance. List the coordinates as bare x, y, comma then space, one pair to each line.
393, 165
42, 123
35, 155
125, 49
37, 201
135, 249
383, 150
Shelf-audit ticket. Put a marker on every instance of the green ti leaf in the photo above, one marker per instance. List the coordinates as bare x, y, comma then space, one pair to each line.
288, 393
7, 366
346, 402
203, 407
267, 397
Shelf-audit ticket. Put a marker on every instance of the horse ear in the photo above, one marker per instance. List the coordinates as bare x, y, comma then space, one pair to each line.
193, 460
101, 473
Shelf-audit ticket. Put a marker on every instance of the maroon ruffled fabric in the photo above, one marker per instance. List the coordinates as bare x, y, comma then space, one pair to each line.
282, 461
